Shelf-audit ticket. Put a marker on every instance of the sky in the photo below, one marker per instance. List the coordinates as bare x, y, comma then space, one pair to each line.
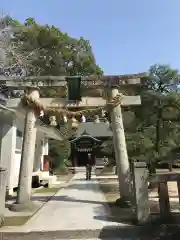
127, 36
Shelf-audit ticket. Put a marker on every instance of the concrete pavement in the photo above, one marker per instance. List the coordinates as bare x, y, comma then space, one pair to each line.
80, 207
79, 212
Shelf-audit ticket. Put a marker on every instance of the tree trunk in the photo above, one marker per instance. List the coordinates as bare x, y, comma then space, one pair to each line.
158, 128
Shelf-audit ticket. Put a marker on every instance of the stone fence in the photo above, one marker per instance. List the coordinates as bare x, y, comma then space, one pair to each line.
141, 180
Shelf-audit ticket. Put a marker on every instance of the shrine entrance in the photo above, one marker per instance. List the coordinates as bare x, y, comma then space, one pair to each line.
81, 147
81, 157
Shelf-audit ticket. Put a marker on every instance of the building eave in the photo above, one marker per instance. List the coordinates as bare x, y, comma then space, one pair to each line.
85, 136
50, 132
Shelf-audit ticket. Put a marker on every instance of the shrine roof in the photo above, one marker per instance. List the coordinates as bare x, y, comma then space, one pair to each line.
50, 132
94, 129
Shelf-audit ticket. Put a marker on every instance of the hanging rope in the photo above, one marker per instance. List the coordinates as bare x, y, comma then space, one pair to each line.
37, 106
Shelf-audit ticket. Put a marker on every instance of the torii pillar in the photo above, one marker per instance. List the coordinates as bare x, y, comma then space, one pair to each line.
121, 155
23, 201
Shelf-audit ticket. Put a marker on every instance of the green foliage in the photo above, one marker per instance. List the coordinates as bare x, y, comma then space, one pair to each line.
45, 50
53, 52
153, 128
59, 152
156, 127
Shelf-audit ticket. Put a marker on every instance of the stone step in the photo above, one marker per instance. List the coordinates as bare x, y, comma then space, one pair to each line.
51, 180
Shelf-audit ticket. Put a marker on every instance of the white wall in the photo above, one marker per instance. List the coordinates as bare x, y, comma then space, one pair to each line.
10, 149
7, 146
45, 150
14, 172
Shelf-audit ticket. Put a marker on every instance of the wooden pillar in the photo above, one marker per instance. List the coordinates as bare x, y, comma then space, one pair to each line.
178, 187
46, 165
122, 162
164, 200
23, 202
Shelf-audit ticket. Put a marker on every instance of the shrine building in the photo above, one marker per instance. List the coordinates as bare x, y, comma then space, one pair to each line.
89, 139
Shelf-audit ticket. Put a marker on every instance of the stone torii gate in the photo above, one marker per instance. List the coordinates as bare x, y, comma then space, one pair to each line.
111, 83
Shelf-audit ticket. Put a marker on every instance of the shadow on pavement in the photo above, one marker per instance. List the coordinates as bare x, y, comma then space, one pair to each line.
141, 232
64, 198
111, 232
113, 219
123, 216
90, 186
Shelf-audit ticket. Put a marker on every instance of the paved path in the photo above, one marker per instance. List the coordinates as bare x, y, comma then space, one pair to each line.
79, 207
76, 212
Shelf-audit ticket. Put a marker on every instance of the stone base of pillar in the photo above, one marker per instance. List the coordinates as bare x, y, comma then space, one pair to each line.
123, 203
23, 207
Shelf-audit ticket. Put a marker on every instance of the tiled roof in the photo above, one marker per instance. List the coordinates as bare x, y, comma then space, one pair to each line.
94, 129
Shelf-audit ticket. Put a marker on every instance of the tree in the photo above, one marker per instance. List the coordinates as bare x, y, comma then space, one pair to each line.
11, 62
162, 80
45, 50
60, 153
53, 52
153, 132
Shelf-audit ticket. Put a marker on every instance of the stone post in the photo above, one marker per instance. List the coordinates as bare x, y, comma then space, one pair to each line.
23, 201
141, 199
122, 162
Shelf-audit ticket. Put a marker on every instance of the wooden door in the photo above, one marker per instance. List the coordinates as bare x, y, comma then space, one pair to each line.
46, 163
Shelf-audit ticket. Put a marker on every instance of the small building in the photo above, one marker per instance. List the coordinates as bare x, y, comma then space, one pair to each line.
11, 139
88, 139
